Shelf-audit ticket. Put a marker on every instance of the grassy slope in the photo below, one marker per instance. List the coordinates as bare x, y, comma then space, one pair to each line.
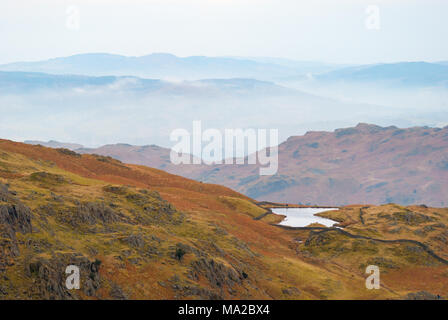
403, 265
153, 235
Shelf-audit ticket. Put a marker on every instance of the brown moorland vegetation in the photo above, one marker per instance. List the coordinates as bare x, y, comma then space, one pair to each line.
141, 233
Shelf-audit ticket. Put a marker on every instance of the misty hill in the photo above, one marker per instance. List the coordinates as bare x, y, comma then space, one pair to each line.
27, 82
138, 111
305, 67
163, 66
55, 144
406, 74
168, 66
362, 164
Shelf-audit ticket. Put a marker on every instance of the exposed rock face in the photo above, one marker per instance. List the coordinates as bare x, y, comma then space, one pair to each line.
411, 218
3, 192
216, 273
145, 246
49, 276
17, 217
158, 213
135, 240
318, 239
14, 217
221, 278
90, 213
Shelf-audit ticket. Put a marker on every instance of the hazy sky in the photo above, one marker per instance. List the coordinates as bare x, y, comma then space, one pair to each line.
320, 30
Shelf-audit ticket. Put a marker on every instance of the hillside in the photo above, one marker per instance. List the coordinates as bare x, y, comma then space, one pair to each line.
388, 236
362, 164
141, 233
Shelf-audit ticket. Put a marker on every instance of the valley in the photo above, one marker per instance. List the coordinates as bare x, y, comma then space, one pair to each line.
216, 158
362, 164
141, 233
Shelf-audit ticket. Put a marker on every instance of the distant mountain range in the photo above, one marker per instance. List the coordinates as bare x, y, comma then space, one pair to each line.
28, 82
303, 66
405, 74
55, 144
167, 66
107, 97
362, 164
73, 107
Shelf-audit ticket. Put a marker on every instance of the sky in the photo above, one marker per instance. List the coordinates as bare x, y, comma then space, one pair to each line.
336, 31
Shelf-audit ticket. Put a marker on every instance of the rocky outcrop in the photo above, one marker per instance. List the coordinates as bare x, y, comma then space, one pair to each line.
146, 247
318, 239
49, 276
158, 212
134, 240
411, 218
3, 192
91, 213
8, 250
14, 217
217, 274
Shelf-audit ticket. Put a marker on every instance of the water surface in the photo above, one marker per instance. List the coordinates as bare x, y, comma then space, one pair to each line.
302, 217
